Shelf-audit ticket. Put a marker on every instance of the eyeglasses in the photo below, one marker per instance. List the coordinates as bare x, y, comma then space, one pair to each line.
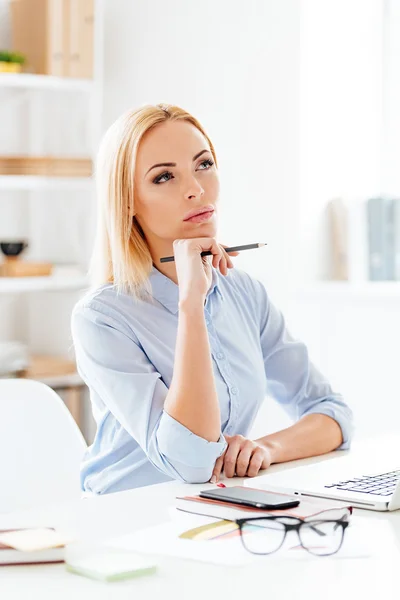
321, 535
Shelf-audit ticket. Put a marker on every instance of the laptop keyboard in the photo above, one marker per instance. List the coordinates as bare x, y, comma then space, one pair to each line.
376, 485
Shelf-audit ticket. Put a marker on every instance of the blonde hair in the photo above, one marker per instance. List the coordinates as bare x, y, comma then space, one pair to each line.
121, 254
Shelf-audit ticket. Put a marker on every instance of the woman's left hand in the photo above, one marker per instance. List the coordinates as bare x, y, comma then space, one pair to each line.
242, 457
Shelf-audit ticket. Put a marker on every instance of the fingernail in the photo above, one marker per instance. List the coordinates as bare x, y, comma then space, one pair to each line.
221, 485
213, 479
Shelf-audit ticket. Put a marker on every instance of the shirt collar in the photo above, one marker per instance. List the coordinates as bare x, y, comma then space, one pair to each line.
167, 292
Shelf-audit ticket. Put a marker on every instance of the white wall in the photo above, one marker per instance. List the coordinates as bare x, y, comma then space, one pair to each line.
391, 100
349, 132
235, 66
293, 94
340, 114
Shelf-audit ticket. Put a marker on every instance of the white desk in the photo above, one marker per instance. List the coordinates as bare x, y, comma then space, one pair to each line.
115, 514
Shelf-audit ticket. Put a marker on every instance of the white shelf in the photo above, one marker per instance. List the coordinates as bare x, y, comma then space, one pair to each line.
63, 278
343, 289
61, 381
32, 182
44, 82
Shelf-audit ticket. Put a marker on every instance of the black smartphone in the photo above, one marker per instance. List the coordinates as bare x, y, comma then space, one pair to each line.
250, 497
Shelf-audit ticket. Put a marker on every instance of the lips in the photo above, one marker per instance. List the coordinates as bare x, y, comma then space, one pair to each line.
201, 218
199, 211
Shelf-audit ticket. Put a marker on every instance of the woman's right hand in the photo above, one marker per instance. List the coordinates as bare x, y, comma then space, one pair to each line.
194, 271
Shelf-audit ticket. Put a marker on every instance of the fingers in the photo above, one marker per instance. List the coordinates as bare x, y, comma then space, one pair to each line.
216, 259
228, 255
243, 459
229, 262
220, 258
234, 253
217, 469
231, 455
224, 262
217, 254
256, 462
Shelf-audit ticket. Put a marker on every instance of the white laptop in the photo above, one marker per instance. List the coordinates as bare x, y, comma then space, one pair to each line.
341, 480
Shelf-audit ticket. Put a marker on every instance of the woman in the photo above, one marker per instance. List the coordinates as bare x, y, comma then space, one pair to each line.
178, 356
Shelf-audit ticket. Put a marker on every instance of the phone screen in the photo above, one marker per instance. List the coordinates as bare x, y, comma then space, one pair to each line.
250, 497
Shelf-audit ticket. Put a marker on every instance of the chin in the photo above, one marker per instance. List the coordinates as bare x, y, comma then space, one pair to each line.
203, 230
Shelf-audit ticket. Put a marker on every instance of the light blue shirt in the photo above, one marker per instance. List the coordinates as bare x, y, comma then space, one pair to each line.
125, 354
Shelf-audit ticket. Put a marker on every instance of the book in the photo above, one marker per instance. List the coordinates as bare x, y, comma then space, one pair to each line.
380, 238
396, 241
358, 254
339, 236
26, 554
347, 228
230, 512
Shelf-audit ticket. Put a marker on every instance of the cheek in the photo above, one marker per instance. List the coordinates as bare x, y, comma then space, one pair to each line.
211, 187
158, 210
155, 201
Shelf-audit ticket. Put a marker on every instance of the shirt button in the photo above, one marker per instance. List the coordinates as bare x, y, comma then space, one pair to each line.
234, 390
220, 355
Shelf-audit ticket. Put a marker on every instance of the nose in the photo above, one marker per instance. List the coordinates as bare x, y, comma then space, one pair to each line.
193, 189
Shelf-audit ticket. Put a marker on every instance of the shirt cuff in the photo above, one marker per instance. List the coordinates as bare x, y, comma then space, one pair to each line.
343, 417
180, 444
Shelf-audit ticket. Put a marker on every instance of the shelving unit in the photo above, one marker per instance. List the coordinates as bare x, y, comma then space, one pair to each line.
65, 278
29, 81
37, 183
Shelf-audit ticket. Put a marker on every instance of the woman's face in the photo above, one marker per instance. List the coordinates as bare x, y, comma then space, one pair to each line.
175, 175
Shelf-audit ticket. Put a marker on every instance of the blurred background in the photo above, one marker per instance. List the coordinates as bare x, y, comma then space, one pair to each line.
302, 101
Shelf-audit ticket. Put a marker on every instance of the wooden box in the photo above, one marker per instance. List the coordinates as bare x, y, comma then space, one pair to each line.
47, 166
40, 32
57, 36
15, 267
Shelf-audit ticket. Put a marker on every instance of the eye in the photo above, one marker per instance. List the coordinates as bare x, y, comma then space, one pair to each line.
166, 176
206, 164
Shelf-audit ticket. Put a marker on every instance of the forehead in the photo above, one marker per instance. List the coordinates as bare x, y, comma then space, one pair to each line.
169, 142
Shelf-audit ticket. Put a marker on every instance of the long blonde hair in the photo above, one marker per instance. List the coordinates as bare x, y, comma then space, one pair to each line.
121, 254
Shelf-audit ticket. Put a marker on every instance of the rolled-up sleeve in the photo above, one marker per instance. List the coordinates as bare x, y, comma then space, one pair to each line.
112, 363
292, 379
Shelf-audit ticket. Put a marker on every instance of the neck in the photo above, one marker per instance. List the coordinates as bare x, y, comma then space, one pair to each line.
167, 269
157, 251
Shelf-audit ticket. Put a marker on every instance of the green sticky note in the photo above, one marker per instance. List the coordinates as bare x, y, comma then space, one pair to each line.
111, 566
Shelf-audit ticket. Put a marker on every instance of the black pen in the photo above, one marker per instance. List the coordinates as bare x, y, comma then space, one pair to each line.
209, 253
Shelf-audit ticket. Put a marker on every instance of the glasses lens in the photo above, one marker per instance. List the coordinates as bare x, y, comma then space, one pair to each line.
321, 537
263, 536
332, 514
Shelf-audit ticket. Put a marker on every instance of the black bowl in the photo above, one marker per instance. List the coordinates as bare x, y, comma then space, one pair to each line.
12, 248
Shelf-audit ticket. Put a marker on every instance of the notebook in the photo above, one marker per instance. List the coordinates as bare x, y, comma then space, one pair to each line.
31, 546
229, 511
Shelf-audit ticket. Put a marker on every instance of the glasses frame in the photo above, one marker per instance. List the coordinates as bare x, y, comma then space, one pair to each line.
295, 526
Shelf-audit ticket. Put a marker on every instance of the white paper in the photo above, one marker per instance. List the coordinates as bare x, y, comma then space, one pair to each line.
364, 538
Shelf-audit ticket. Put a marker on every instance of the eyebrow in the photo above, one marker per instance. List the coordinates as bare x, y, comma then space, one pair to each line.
172, 164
